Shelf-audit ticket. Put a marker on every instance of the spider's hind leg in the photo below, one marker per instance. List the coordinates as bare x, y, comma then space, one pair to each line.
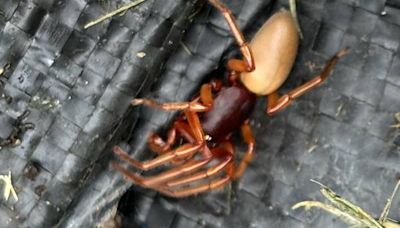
277, 103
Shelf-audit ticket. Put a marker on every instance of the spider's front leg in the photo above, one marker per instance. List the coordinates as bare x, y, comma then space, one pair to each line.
201, 104
192, 105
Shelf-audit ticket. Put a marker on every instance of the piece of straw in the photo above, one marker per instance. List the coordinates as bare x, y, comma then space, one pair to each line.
113, 13
293, 11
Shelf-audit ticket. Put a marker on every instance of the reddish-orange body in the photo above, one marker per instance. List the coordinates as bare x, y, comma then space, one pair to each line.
210, 118
274, 50
232, 106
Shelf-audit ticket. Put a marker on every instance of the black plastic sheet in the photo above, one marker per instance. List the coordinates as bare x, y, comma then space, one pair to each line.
77, 85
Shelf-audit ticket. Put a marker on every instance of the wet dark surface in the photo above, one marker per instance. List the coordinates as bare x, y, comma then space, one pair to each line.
78, 83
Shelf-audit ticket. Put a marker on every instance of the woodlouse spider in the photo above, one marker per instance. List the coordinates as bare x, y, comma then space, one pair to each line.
205, 160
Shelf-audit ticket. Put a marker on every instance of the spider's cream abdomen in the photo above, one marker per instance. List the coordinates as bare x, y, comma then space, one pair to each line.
274, 48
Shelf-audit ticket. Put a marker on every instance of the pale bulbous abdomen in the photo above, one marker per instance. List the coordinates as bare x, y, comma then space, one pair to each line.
274, 49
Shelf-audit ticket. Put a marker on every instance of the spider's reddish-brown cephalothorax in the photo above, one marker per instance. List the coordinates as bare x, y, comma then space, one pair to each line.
205, 160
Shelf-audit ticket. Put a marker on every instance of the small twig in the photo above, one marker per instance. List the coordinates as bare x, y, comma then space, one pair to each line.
329, 208
113, 13
312, 148
339, 110
186, 48
397, 116
229, 199
292, 6
198, 10
388, 205
345, 210
318, 183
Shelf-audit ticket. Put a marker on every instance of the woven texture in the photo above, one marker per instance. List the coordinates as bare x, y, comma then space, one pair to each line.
338, 134
77, 85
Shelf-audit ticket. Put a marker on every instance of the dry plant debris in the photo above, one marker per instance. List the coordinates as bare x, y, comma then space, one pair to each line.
350, 213
8, 186
293, 11
397, 117
113, 13
4, 69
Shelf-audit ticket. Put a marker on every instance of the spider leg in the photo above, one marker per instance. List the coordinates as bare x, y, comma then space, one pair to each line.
206, 95
158, 145
225, 151
214, 184
194, 105
190, 166
277, 103
207, 100
180, 152
210, 172
249, 139
186, 150
237, 65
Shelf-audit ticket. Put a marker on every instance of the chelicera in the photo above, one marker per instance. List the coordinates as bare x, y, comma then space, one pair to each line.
205, 160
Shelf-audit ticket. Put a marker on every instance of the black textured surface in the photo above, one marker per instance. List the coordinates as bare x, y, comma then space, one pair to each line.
338, 134
77, 84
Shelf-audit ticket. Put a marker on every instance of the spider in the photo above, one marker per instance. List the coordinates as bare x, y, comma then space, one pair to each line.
205, 161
